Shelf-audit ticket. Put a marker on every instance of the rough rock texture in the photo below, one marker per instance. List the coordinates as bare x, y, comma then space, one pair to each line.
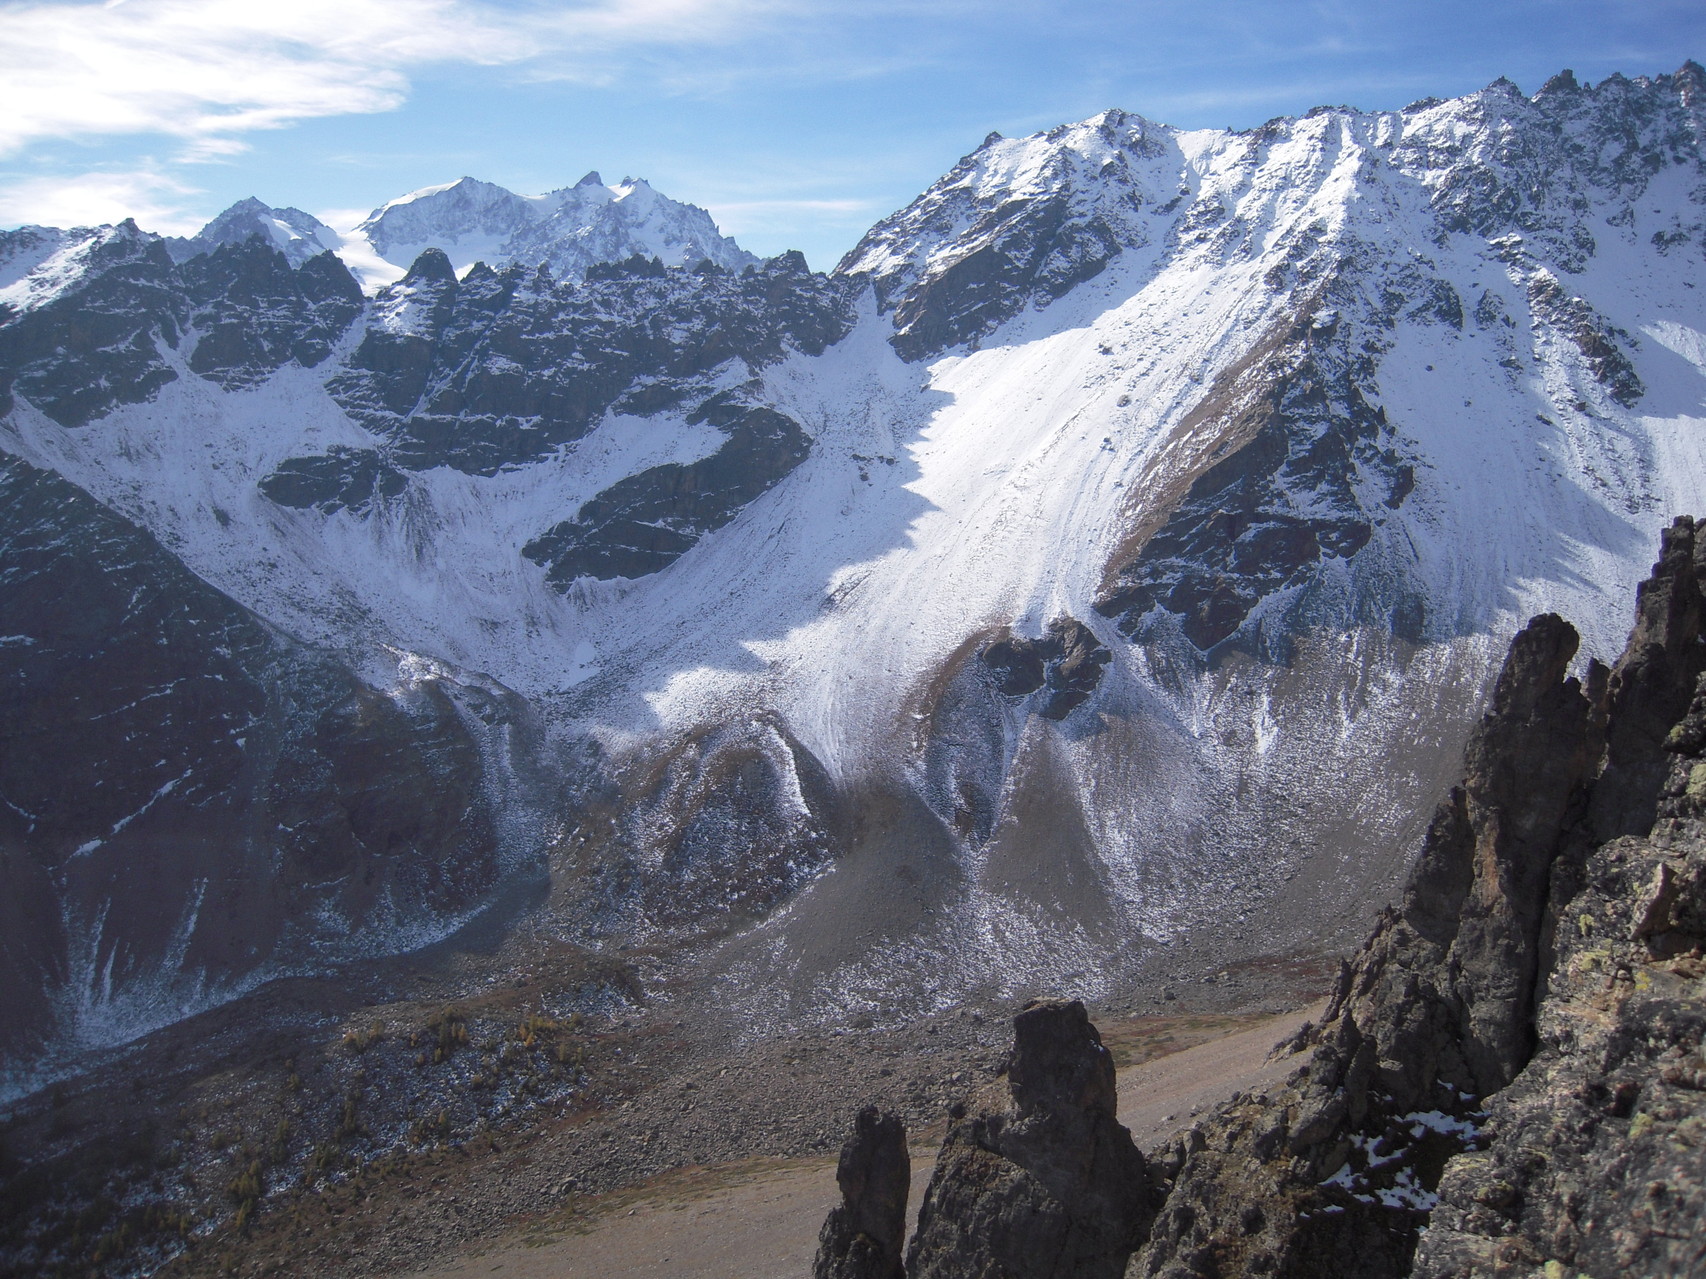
645, 522
1597, 1150
253, 313
864, 1236
501, 367
1022, 235
1039, 1179
1067, 660
94, 344
299, 236
1309, 469
95, 339
188, 798
1519, 1042
726, 824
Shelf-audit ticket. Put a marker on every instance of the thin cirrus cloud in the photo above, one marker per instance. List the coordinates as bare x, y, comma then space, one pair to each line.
209, 71
154, 198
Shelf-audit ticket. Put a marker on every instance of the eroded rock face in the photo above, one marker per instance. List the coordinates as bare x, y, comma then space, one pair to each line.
189, 797
501, 367
1067, 660
1022, 234
645, 522
1039, 1180
1308, 471
240, 313
863, 1238
1493, 1048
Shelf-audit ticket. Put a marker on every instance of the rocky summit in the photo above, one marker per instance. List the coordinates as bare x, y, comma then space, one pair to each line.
1091, 584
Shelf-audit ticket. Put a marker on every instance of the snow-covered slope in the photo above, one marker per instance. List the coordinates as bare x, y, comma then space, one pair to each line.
567, 230
1110, 554
297, 235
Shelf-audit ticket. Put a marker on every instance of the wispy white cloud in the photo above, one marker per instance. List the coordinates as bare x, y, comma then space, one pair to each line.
209, 71
155, 199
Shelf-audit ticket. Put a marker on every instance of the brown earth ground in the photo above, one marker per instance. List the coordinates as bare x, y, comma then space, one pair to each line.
672, 1112
758, 1219
722, 1148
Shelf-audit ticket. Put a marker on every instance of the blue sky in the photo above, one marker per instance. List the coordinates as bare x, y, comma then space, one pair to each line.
797, 122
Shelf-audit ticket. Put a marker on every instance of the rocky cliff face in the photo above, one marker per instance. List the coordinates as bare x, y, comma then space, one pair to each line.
190, 801
1506, 1080
299, 236
1509, 1078
863, 1237
1036, 1179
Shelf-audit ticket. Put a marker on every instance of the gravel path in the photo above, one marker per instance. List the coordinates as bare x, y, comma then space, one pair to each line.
758, 1219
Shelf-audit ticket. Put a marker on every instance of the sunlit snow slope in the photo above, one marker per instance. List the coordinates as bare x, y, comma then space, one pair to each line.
1109, 554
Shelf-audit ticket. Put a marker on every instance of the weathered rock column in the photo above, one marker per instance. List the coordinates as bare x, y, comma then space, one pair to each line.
1039, 1180
862, 1238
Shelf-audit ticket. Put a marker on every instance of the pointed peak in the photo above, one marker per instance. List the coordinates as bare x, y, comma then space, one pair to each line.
1564, 82
432, 266
1690, 82
592, 179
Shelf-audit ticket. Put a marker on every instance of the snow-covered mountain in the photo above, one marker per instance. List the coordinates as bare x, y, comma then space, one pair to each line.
567, 230
297, 235
1111, 553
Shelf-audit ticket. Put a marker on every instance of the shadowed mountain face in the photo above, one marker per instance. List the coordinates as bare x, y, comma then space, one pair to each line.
1111, 553
188, 800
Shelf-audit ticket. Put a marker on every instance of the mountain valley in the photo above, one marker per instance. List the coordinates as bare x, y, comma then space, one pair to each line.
502, 666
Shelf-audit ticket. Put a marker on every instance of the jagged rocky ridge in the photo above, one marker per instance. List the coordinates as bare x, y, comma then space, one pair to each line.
299, 236
1036, 1179
1471, 1102
1296, 424
1510, 1077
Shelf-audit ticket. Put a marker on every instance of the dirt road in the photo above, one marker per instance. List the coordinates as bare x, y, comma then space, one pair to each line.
759, 1219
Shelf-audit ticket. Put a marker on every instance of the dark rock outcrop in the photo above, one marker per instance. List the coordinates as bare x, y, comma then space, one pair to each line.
1304, 470
252, 313
864, 1237
1492, 1048
1067, 660
1038, 1180
240, 313
645, 522
299, 236
340, 479
502, 367
93, 344
979, 247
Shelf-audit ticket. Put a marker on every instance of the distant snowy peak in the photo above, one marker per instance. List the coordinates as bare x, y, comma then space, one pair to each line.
297, 235
567, 230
